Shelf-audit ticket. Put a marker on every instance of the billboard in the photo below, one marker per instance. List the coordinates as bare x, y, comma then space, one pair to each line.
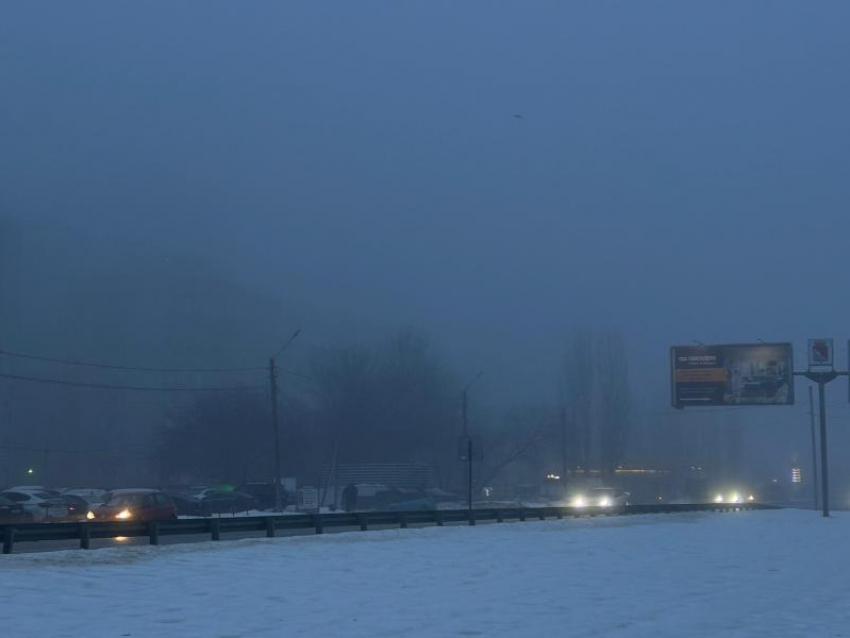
736, 374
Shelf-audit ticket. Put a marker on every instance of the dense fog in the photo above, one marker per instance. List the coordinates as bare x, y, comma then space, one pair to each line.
428, 191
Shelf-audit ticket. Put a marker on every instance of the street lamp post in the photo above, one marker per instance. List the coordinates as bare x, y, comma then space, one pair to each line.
278, 505
469, 451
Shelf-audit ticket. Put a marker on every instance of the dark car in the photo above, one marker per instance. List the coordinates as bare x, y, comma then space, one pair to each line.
225, 502
263, 493
135, 505
77, 507
12, 512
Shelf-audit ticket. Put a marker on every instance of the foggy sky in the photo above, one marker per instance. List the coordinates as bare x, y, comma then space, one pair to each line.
680, 171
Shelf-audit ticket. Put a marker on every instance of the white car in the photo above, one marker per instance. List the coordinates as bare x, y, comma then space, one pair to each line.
41, 505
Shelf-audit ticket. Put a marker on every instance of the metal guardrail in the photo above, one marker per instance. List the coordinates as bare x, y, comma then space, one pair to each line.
215, 527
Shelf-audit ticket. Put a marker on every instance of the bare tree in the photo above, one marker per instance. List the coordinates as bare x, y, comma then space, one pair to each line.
613, 399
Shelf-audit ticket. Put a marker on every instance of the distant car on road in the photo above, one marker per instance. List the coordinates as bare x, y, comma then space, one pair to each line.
213, 501
12, 512
41, 505
600, 497
134, 505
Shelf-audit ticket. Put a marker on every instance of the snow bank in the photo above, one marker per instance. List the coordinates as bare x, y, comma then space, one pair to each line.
763, 573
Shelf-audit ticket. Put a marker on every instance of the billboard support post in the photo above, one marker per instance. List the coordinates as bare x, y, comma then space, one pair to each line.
814, 447
822, 378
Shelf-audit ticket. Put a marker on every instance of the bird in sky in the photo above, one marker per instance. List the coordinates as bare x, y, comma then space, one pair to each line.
518, 116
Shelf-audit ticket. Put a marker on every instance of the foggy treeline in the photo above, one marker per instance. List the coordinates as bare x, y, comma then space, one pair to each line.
393, 397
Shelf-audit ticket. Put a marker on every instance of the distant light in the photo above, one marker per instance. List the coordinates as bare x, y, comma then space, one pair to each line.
796, 475
121, 539
553, 477
30, 471
718, 498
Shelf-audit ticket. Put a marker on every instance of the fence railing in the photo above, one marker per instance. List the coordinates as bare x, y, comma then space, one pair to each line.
318, 523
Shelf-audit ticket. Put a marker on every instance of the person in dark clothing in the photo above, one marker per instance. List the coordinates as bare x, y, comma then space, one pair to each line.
349, 497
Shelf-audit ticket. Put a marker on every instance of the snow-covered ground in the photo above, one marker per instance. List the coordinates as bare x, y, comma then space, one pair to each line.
763, 573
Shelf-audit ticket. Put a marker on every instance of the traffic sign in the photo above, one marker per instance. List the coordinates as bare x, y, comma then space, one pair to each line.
820, 353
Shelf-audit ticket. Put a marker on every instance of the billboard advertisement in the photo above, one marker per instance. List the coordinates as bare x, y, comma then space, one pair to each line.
735, 374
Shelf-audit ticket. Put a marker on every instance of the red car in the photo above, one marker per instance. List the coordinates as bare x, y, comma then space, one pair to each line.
134, 505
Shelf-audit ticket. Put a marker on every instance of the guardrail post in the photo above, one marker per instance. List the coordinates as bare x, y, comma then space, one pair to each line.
542, 515
318, 522
472, 517
153, 530
364, 522
8, 540
215, 529
499, 517
438, 518
269, 527
522, 515
85, 536
559, 513
402, 521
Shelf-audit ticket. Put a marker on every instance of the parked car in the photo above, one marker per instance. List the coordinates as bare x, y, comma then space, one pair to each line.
39, 504
77, 507
12, 512
213, 501
415, 505
134, 505
92, 496
264, 494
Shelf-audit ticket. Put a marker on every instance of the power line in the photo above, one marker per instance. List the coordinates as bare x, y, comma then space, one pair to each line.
109, 366
139, 388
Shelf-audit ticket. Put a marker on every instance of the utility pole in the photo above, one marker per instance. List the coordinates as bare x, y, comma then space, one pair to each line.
563, 445
468, 439
46, 460
277, 472
814, 446
278, 503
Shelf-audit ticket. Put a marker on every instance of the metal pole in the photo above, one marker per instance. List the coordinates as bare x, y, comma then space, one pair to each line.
563, 445
463, 412
814, 445
469, 473
273, 386
823, 460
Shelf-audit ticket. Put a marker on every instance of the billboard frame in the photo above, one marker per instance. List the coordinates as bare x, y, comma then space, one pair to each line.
708, 347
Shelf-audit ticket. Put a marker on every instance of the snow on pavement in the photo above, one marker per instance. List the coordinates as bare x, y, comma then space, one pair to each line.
762, 573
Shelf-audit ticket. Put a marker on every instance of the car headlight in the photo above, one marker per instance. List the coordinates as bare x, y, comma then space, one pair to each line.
123, 515
751, 498
735, 497
90, 515
718, 498
605, 501
578, 501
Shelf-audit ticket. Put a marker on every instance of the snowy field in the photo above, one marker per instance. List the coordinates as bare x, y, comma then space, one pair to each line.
763, 573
